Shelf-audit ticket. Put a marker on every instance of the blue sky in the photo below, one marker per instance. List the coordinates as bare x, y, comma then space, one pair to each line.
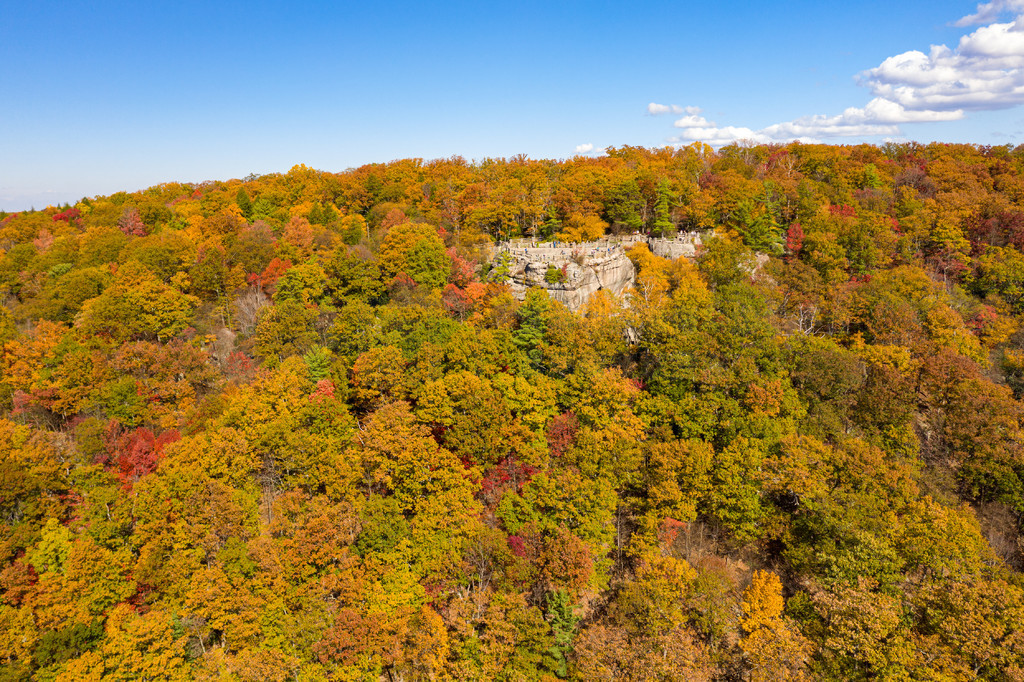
106, 96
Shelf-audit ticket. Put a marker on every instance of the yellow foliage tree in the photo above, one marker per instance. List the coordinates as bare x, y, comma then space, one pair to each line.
582, 228
774, 649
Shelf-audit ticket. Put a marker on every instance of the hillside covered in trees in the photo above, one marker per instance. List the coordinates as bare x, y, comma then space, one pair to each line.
295, 427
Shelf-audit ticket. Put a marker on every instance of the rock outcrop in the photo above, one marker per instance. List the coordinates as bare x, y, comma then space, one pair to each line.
571, 273
581, 277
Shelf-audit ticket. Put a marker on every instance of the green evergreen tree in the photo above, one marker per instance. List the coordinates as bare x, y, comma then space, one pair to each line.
533, 324
758, 227
552, 225
563, 619
244, 203
662, 220
318, 361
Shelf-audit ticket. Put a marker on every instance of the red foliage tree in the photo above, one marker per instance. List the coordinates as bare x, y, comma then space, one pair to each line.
394, 217
455, 301
135, 453
131, 223
843, 210
44, 241
794, 240
324, 391
462, 272
561, 433
239, 367
70, 216
273, 272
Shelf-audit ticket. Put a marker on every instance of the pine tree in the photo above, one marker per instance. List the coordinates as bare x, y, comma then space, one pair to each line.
244, 203
552, 225
662, 220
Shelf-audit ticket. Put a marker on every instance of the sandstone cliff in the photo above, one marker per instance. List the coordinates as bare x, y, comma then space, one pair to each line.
585, 268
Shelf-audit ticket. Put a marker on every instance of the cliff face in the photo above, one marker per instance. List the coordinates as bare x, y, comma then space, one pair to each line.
592, 268
587, 267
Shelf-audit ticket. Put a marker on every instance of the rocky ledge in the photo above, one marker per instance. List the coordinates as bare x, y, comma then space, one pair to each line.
571, 273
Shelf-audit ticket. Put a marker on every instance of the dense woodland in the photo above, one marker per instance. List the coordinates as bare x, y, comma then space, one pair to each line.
296, 427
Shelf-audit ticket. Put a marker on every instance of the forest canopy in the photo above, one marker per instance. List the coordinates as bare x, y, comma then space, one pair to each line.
297, 426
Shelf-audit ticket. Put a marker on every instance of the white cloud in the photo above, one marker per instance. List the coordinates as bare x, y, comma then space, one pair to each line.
990, 11
696, 127
715, 135
995, 40
657, 109
886, 111
584, 148
879, 117
693, 119
984, 72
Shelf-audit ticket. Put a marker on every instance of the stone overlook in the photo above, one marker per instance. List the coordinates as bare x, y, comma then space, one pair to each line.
572, 272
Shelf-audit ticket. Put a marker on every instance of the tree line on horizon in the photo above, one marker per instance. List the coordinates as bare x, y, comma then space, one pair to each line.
296, 426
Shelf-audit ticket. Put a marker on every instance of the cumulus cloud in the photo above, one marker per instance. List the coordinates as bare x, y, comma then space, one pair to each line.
584, 148
693, 119
985, 71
